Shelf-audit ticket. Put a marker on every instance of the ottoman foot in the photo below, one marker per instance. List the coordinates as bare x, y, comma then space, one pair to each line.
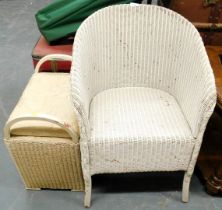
29, 188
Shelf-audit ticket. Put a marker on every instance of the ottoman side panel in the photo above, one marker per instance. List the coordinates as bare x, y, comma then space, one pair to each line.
46, 162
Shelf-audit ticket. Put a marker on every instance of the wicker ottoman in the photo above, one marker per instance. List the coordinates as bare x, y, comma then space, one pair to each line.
42, 135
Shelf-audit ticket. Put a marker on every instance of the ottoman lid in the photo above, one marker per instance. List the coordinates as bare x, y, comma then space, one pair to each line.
47, 94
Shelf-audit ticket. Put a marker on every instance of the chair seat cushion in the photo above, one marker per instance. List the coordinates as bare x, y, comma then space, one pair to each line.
137, 124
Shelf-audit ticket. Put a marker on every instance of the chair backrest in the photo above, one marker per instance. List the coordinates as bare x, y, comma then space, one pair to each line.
137, 46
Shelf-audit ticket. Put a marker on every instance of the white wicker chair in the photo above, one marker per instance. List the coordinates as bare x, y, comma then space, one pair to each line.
143, 89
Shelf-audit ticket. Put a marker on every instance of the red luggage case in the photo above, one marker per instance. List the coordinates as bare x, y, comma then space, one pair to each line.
42, 48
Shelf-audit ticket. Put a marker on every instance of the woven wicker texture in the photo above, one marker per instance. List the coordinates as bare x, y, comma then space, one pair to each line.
44, 152
145, 136
47, 162
142, 46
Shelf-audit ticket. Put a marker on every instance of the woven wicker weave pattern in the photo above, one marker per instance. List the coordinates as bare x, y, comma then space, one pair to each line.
143, 46
42, 133
47, 162
143, 138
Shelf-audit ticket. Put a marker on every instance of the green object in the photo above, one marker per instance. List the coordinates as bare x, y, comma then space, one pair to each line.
63, 17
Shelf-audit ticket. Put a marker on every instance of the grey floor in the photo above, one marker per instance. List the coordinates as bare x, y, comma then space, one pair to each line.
18, 34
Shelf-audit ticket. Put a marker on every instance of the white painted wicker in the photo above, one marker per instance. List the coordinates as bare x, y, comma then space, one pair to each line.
143, 90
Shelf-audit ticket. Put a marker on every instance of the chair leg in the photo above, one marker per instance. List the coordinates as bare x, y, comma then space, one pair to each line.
186, 186
88, 190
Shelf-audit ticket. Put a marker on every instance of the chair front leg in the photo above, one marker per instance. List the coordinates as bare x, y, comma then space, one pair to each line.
86, 172
186, 186
88, 191
188, 174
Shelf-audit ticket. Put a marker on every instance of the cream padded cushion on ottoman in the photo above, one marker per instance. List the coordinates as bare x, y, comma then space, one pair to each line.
42, 134
45, 93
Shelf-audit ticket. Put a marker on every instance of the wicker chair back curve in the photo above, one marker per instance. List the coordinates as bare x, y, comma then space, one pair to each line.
143, 46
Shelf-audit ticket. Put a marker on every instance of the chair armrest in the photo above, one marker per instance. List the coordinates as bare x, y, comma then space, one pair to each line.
195, 91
